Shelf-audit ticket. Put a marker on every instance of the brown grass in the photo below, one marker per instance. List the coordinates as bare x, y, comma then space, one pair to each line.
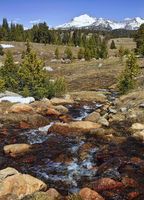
81, 75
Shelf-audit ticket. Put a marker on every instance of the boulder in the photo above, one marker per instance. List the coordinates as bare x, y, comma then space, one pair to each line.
103, 121
29, 120
62, 101
9, 171
41, 107
61, 109
18, 184
88, 194
16, 149
74, 128
89, 96
137, 126
93, 117
106, 184
52, 112
53, 194
139, 135
19, 108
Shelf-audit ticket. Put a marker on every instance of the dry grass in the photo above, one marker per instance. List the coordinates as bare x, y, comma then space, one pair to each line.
81, 75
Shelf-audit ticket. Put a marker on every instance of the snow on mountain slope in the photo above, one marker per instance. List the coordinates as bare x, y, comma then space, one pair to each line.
85, 21
78, 22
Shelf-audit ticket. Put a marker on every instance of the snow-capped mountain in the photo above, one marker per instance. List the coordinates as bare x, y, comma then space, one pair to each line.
86, 21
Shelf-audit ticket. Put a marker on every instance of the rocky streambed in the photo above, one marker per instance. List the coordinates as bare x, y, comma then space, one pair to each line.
81, 145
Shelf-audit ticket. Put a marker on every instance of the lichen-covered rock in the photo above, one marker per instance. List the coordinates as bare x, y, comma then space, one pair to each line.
18, 184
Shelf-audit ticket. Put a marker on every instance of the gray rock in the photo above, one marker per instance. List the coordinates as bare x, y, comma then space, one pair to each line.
141, 105
113, 111
124, 109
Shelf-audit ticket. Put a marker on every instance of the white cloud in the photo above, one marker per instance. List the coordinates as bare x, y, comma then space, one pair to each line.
36, 21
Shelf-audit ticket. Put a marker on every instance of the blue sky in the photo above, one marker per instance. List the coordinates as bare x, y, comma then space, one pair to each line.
56, 12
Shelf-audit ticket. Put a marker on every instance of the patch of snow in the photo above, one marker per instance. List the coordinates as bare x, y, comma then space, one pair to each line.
45, 128
7, 46
17, 99
49, 69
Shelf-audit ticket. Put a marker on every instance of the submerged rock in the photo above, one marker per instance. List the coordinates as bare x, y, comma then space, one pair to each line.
106, 184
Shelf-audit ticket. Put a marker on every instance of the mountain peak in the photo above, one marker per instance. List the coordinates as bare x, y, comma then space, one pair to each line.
86, 21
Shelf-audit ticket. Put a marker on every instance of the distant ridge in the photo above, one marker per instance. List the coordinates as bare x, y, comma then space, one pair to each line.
88, 22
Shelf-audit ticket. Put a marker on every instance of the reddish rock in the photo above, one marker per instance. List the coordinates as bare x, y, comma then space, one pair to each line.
133, 195
88, 194
20, 108
136, 160
65, 118
106, 184
129, 182
24, 125
52, 112
53, 194
74, 128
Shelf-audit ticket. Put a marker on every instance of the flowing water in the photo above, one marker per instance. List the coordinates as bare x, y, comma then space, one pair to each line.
66, 164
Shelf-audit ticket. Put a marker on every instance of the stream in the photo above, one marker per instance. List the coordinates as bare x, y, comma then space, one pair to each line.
70, 163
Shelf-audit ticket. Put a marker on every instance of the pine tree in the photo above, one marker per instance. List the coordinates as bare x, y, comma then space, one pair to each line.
112, 46
68, 53
9, 73
57, 53
139, 38
127, 79
121, 52
2, 85
32, 76
103, 49
87, 54
1, 51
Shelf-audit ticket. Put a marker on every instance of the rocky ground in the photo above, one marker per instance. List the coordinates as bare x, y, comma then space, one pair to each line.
88, 143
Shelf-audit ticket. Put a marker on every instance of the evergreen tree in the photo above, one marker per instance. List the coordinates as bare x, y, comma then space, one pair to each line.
112, 46
8, 72
139, 38
57, 53
68, 53
87, 54
2, 85
127, 79
1, 51
32, 76
103, 49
